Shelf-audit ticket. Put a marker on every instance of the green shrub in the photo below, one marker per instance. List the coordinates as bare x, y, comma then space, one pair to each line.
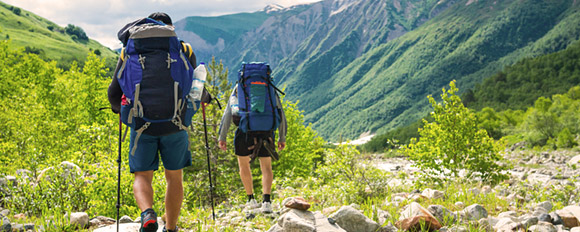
454, 142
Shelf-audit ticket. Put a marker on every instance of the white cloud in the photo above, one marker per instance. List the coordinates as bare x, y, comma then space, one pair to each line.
101, 19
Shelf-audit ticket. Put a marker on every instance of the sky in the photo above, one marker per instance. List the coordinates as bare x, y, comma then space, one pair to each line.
101, 19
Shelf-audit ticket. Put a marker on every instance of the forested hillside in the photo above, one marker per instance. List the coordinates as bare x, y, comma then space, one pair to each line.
47, 39
387, 87
507, 103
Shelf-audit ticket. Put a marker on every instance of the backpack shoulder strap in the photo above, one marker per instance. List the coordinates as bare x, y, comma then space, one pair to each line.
187, 49
122, 54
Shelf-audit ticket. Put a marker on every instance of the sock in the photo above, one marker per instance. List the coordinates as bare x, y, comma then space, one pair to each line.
267, 198
250, 197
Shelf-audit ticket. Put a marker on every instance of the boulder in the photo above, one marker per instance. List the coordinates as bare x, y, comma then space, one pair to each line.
5, 225
322, 223
568, 219
351, 220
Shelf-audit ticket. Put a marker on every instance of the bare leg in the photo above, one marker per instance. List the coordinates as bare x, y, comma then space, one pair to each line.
246, 174
267, 176
173, 197
143, 190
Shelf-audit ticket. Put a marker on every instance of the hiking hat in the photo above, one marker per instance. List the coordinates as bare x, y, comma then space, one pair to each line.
162, 17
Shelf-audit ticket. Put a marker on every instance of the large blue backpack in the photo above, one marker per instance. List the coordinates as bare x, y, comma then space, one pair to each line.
155, 75
257, 99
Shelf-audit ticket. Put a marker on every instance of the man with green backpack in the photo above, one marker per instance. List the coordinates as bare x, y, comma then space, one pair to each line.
256, 109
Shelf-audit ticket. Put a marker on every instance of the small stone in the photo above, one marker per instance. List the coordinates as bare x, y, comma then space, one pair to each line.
460, 204
18, 227
556, 219
5, 225
5, 212
475, 212
20, 216
80, 219
125, 219
546, 205
545, 218
28, 226
543, 227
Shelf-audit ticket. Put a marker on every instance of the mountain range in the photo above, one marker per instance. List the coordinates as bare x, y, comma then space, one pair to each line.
359, 66
354, 66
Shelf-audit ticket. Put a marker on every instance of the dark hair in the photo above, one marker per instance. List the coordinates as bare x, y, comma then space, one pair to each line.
160, 16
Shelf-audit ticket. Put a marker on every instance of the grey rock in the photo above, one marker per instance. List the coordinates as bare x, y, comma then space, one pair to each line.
5, 212
351, 220
528, 222
475, 212
508, 214
485, 225
545, 218
29, 226
575, 229
80, 219
543, 227
125, 219
443, 215
297, 221
413, 209
460, 204
275, 228
383, 216
17, 228
546, 205
556, 219
388, 228
5, 225
322, 223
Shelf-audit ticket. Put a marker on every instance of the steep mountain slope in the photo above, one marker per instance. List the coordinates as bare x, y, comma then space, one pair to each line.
387, 86
50, 41
225, 37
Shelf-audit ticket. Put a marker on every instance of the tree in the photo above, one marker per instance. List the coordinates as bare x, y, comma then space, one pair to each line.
454, 142
77, 33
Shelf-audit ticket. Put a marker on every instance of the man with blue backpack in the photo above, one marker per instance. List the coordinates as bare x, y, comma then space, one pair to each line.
151, 91
255, 107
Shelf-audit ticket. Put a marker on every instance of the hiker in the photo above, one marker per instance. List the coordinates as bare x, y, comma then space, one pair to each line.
158, 59
248, 143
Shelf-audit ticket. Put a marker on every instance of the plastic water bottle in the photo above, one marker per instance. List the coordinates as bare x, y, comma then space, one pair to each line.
199, 75
234, 104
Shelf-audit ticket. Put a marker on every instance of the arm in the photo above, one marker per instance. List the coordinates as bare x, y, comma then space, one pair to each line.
114, 92
225, 127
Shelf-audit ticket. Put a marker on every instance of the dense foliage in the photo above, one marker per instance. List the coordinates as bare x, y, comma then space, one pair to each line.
76, 32
519, 85
454, 142
49, 116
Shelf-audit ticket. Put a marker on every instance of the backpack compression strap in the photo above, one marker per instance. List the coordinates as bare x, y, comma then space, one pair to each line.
187, 49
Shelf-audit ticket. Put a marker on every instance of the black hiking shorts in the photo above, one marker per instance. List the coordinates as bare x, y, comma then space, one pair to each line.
244, 143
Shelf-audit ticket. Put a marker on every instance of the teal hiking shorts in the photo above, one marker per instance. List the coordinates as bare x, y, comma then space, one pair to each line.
173, 149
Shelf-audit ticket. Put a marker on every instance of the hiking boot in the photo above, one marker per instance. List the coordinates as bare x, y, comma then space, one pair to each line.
149, 221
267, 207
252, 204
166, 230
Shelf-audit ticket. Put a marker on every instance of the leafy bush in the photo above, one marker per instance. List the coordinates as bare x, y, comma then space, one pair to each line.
454, 142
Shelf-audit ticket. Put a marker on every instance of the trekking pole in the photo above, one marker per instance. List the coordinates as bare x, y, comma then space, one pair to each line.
208, 163
119, 171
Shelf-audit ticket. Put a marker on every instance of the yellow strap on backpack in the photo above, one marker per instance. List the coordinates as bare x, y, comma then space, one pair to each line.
187, 49
123, 54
